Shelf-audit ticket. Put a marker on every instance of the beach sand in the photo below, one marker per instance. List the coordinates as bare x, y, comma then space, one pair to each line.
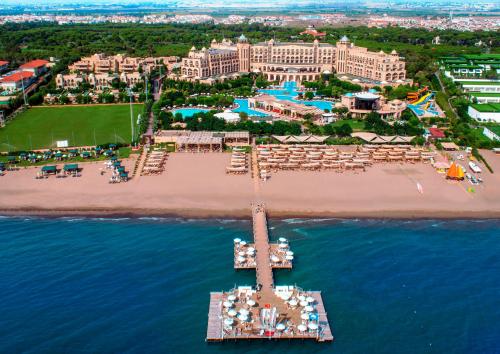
196, 185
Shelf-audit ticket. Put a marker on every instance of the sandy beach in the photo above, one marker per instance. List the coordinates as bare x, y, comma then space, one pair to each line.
196, 185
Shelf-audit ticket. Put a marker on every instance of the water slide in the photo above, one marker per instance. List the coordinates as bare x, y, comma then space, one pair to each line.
422, 99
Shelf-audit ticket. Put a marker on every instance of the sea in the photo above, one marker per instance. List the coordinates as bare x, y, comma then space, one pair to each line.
91, 285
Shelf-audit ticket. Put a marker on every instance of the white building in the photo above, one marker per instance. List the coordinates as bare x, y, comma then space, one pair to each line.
485, 112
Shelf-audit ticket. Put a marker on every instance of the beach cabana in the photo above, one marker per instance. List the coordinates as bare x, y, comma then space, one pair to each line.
51, 169
71, 167
11, 159
85, 154
455, 172
2, 166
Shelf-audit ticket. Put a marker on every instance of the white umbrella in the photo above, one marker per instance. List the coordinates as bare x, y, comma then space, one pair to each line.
242, 317
303, 303
286, 296
289, 258
227, 304
274, 258
302, 328
250, 253
282, 245
237, 240
293, 302
241, 259
251, 302
282, 240
302, 297
241, 253
231, 297
280, 327
243, 243
228, 321
244, 312
251, 249
304, 316
310, 299
312, 326
289, 253
232, 313
309, 308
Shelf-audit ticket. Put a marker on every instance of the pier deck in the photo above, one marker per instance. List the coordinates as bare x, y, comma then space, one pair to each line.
266, 311
250, 263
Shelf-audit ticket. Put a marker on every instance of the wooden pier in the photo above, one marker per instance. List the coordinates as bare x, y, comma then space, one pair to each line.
250, 262
266, 311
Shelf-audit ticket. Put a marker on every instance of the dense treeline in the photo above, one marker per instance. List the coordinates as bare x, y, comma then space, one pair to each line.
20, 42
207, 121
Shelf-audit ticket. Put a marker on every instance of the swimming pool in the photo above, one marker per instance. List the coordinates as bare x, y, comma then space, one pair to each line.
243, 107
188, 112
288, 93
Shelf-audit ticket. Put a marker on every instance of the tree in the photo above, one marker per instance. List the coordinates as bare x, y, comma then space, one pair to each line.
309, 95
344, 130
36, 99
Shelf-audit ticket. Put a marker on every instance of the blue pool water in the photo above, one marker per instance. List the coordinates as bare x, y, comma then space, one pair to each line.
243, 107
188, 112
142, 285
288, 93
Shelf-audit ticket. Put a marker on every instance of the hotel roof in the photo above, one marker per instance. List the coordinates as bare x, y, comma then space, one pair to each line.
34, 64
3, 62
16, 77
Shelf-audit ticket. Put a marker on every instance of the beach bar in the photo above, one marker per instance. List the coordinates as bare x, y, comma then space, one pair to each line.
266, 311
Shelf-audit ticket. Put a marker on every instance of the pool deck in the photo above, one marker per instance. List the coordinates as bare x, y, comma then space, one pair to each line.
267, 306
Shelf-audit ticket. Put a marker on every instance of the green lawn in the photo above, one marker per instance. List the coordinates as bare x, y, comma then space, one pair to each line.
356, 125
42, 127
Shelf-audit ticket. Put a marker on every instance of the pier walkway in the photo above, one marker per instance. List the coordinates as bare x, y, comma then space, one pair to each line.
264, 270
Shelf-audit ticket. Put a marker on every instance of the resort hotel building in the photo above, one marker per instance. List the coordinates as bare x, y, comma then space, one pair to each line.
279, 61
99, 70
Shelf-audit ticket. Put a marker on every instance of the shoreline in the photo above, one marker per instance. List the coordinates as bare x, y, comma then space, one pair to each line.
246, 214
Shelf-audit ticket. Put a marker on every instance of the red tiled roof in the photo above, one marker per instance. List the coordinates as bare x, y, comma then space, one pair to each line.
314, 33
17, 77
34, 64
3, 62
436, 133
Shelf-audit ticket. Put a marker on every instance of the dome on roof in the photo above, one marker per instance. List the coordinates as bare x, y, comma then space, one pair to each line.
344, 39
203, 49
193, 48
381, 52
214, 40
394, 52
242, 38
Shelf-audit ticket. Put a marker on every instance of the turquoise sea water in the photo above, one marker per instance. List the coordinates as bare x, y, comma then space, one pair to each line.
142, 285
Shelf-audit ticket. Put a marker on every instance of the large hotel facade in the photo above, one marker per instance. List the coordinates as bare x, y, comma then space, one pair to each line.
298, 62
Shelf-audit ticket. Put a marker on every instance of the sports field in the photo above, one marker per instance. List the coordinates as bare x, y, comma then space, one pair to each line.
42, 127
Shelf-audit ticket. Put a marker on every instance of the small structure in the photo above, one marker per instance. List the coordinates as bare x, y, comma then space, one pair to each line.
449, 146
199, 142
373, 138
229, 116
300, 139
284, 108
16, 81
455, 172
436, 134
360, 104
310, 30
36, 67
49, 170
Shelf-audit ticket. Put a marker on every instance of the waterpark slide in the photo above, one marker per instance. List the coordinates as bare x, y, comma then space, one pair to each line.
422, 99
